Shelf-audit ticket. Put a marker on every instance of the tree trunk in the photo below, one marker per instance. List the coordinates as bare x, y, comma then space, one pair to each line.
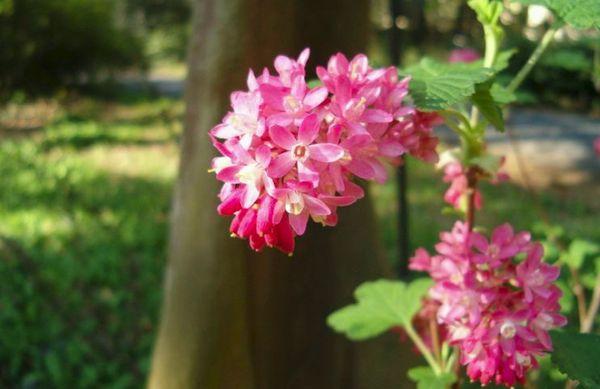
232, 318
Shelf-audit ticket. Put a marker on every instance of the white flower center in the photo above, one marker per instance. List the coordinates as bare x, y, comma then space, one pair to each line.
508, 330
493, 250
300, 152
243, 123
250, 174
291, 104
294, 203
523, 360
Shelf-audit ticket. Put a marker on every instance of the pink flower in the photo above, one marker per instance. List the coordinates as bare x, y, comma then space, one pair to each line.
536, 277
250, 174
299, 203
300, 151
597, 146
244, 121
463, 55
496, 310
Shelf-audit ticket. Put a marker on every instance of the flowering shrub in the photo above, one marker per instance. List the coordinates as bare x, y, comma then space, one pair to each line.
291, 151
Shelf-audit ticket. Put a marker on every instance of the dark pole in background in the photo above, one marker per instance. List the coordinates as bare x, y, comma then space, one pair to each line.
403, 237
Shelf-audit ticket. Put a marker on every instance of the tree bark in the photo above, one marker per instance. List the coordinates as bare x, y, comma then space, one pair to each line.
232, 318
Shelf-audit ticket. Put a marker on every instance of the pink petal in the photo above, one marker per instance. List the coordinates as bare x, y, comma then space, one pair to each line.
315, 97
251, 81
228, 174
502, 234
282, 119
309, 129
376, 116
250, 196
282, 137
391, 149
230, 205
281, 165
284, 236
361, 169
359, 64
307, 174
224, 131
272, 96
316, 207
326, 152
298, 222
303, 57
278, 212
338, 201
263, 155
246, 140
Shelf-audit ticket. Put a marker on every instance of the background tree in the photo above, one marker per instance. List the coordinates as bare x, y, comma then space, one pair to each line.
232, 318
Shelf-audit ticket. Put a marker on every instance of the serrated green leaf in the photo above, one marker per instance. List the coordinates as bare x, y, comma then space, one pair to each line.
578, 13
488, 107
380, 305
577, 355
427, 379
435, 86
579, 249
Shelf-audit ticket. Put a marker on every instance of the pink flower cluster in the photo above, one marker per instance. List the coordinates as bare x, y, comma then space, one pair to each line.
496, 299
289, 152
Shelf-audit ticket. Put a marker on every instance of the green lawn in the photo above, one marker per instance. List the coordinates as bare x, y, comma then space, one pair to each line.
83, 229
83, 208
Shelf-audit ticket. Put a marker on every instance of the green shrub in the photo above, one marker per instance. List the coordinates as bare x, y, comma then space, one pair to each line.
50, 43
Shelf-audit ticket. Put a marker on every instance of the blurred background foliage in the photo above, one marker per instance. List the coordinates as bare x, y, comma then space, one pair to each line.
88, 161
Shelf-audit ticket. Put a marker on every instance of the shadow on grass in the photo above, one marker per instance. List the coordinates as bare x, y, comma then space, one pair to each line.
81, 260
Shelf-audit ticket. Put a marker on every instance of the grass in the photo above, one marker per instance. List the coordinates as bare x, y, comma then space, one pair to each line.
84, 212
83, 208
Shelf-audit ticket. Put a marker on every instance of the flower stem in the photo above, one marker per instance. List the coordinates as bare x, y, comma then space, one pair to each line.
588, 321
435, 341
412, 334
471, 192
533, 59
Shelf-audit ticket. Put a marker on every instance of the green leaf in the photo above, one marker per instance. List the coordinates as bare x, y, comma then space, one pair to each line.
567, 299
580, 14
314, 83
574, 60
579, 249
426, 378
380, 305
436, 86
489, 163
488, 11
484, 100
501, 95
577, 355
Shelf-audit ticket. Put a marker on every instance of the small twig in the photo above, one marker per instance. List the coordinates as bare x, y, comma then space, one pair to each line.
580, 295
412, 334
471, 192
435, 341
588, 321
535, 56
